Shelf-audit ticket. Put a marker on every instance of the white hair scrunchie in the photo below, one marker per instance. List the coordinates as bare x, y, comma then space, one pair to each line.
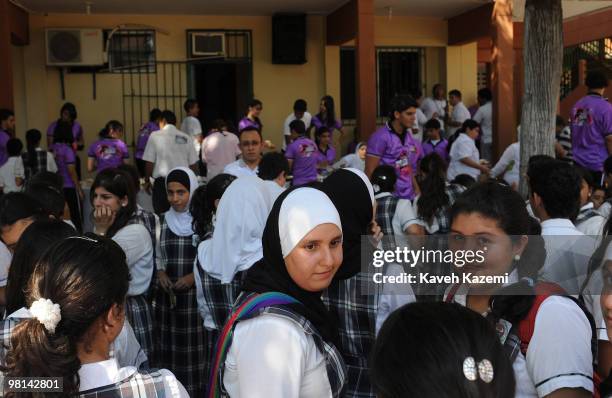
46, 313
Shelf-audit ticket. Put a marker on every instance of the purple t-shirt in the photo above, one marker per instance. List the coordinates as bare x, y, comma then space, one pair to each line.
404, 157
329, 155
4, 137
143, 137
318, 123
77, 130
303, 152
441, 148
246, 122
591, 123
64, 156
108, 152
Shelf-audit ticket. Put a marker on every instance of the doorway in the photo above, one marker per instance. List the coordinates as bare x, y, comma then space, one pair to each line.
223, 90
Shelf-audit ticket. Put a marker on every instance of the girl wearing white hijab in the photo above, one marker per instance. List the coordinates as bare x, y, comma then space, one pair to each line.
354, 160
181, 335
284, 338
235, 246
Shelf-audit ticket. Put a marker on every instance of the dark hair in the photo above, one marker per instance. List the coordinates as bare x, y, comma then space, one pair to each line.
319, 132
63, 133
85, 277
585, 175
558, 185
560, 121
608, 165
468, 124
435, 88
432, 124
52, 180
298, 126
330, 113
271, 165
485, 94
254, 102
32, 244
51, 200
421, 347
250, 128
15, 206
400, 103
5, 114
300, 105
169, 117
596, 79
433, 187
417, 93
219, 124
465, 180
14, 146
155, 115
121, 185
111, 125
189, 104
385, 178
455, 93
132, 172
33, 137
72, 112
504, 205
202, 205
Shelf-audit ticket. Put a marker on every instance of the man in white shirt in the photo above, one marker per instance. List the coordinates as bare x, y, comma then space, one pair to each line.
299, 113
273, 169
219, 149
166, 149
251, 144
435, 106
554, 195
459, 114
191, 125
484, 116
418, 128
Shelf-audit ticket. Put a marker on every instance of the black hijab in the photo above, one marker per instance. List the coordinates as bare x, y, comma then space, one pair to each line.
350, 195
270, 275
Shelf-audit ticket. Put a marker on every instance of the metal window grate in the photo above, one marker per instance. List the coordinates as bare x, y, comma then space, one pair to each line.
132, 50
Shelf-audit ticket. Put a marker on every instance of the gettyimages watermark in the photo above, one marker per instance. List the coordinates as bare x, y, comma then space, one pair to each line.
431, 265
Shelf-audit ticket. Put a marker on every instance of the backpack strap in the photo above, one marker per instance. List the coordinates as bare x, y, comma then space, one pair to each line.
451, 293
250, 306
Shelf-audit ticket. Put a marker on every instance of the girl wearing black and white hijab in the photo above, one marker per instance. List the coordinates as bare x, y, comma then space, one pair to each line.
289, 350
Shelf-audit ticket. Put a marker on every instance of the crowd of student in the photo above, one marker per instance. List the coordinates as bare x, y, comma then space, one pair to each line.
245, 279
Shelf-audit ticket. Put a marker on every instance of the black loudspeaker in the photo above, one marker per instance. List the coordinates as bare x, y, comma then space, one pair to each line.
289, 39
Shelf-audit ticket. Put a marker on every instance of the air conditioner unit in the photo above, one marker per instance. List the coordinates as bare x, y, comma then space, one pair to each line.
74, 47
206, 44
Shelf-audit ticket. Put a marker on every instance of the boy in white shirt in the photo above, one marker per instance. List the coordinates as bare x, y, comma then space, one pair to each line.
459, 114
12, 174
484, 116
191, 125
299, 113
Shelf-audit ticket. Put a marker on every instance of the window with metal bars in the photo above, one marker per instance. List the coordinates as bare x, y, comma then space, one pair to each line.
132, 50
398, 71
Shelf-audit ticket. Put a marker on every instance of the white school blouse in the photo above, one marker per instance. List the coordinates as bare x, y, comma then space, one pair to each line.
135, 240
272, 357
105, 373
463, 147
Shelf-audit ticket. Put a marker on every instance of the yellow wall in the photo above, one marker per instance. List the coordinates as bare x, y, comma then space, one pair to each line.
277, 86
461, 71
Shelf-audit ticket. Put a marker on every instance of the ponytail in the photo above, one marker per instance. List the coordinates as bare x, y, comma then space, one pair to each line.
202, 206
33, 138
433, 187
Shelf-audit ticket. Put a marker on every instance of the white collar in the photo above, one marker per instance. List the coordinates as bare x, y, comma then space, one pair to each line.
557, 223
102, 373
242, 163
22, 313
587, 206
462, 292
382, 195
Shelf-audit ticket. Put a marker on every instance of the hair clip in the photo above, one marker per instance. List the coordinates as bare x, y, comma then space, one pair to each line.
483, 369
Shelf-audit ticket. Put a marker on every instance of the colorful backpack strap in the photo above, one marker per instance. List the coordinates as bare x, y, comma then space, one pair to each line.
251, 305
451, 293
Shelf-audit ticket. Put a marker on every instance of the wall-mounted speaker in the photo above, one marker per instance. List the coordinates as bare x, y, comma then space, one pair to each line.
289, 39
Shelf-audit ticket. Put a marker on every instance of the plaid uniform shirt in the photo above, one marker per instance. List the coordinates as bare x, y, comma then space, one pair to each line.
442, 216
39, 165
139, 385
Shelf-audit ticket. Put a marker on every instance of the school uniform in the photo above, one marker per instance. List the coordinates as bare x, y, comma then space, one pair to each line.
304, 154
246, 122
141, 143
107, 379
240, 169
484, 117
510, 158
135, 240
65, 156
182, 339
108, 153
219, 149
589, 221
329, 155
5, 136
9, 172
307, 118
430, 105
565, 361
318, 122
459, 114
77, 134
438, 146
463, 147
191, 125
393, 215
44, 161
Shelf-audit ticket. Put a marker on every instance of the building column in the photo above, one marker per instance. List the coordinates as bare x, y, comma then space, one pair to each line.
502, 77
365, 69
6, 66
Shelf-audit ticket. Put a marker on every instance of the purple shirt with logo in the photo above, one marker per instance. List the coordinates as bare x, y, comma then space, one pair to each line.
143, 137
246, 122
4, 137
303, 152
64, 156
329, 155
591, 123
441, 148
108, 152
403, 156
318, 123
77, 130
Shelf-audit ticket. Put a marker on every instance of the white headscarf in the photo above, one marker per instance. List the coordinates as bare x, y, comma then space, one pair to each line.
240, 220
180, 223
301, 211
365, 180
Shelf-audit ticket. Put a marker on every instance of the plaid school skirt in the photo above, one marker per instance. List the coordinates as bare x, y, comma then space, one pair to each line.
140, 315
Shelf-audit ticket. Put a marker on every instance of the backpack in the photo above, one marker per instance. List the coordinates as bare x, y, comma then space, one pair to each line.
525, 328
